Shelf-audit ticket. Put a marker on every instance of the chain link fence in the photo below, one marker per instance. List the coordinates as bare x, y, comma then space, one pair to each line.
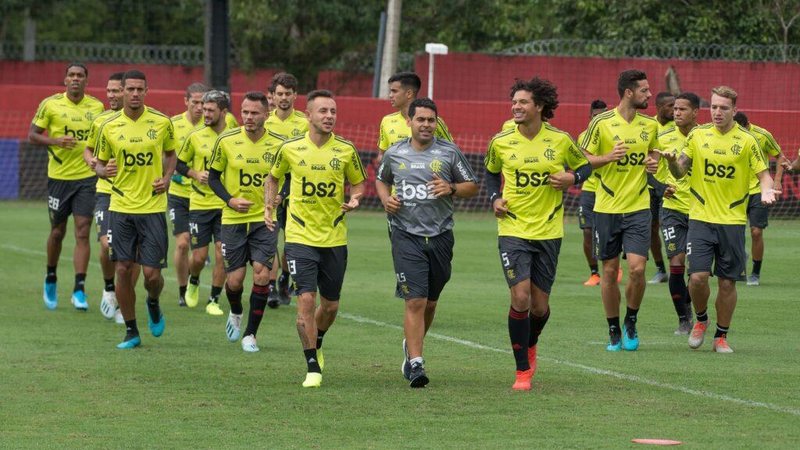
657, 50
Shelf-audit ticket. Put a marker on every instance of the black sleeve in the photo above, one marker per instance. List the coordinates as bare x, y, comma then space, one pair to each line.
583, 173
286, 188
215, 183
658, 187
493, 182
182, 168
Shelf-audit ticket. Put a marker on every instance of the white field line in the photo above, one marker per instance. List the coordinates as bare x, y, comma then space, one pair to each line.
574, 365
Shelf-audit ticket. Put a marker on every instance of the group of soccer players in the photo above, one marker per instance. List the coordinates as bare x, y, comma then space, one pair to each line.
233, 184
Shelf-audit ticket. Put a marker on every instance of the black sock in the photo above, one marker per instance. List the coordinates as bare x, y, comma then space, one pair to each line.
215, 291
235, 300
593, 268
630, 317
660, 265
131, 330
258, 300
537, 325
283, 280
272, 285
519, 330
80, 282
109, 284
194, 280
311, 360
756, 267
153, 309
678, 291
320, 335
182, 291
702, 316
721, 331
51, 275
614, 331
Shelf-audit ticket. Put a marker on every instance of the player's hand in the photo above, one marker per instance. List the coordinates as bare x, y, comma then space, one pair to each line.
66, 141
500, 207
278, 200
784, 161
619, 152
92, 162
268, 217
202, 177
669, 156
111, 169
439, 187
669, 192
392, 204
240, 205
769, 196
776, 186
352, 204
160, 185
561, 181
651, 165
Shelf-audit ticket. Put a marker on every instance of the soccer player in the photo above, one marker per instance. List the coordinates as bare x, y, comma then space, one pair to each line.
319, 163
529, 211
665, 102
586, 205
205, 208
141, 142
621, 145
720, 158
241, 160
286, 121
67, 118
675, 209
426, 174
180, 189
403, 89
757, 213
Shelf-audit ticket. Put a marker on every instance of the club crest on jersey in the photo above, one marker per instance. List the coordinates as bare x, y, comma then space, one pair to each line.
268, 157
436, 166
736, 149
336, 164
89, 115
550, 154
152, 134
645, 135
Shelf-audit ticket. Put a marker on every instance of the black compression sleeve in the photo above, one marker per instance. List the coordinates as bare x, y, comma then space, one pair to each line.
583, 173
182, 168
215, 183
493, 182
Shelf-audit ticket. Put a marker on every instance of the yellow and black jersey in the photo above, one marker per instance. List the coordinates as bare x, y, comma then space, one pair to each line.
103, 184
295, 125
196, 152
394, 128
768, 146
673, 141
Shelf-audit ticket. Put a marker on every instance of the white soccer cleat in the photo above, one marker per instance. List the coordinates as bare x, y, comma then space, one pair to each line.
118, 317
233, 328
108, 304
249, 344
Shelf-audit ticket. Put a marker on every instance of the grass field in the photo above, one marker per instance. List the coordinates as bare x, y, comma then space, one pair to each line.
65, 385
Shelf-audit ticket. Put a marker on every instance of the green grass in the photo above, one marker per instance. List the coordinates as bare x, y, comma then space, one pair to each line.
65, 385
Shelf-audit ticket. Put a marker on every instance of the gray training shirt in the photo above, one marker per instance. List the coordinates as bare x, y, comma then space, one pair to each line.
409, 171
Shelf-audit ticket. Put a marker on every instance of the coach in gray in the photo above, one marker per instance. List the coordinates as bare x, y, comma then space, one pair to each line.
417, 180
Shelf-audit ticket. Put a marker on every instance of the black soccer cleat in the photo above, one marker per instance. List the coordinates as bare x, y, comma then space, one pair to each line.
417, 376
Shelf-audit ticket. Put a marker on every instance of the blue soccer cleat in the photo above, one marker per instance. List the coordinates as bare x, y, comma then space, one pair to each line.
130, 343
614, 343
79, 301
156, 328
50, 295
630, 339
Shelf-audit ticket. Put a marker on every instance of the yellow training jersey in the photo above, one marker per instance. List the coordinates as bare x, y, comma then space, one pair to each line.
244, 166
769, 147
59, 116
589, 185
536, 210
664, 127
622, 185
673, 141
230, 121
318, 177
722, 167
103, 185
394, 128
294, 125
137, 146
508, 124
196, 153
183, 126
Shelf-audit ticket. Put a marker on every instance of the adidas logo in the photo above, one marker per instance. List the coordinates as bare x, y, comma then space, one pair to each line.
121, 138
616, 138
239, 157
513, 157
64, 115
402, 166
302, 163
312, 360
390, 131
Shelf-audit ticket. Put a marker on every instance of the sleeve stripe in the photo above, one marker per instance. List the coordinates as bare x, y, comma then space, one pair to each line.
593, 125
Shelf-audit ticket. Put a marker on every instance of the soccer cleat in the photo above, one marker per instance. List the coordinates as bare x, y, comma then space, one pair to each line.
754, 279
698, 334
659, 277
50, 295
273, 299
78, 300
523, 381
118, 317
283, 294
532, 357
313, 380
630, 339
684, 328
619, 275
213, 309
108, 304
417, 376
249, 344
192, 296
405, 369
181, 302
614, 344
594, 280
320, 359
130, 343
156, 328
721, 345
233, 329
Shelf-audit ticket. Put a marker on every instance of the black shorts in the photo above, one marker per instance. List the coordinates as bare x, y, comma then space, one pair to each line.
139, 237
613, 232
721, 244
757, 212
674, 228
317, 267
102, 217
203, 224
534, 260
422, 265
247, 242
586, 210
655, 205
70, 197
178, 213
281, 213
